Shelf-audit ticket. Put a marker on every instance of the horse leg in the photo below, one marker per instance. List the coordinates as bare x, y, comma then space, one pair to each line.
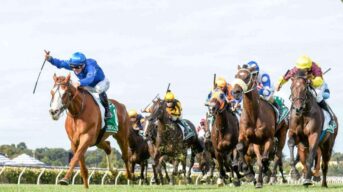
291, 144
313, 145
220, 180
85, 142
106, 146
326, 155
175, 171
166, 172
316, 173
189, 179
84, 171
259, 183
141, 177
132, 170
124, 147
268, 147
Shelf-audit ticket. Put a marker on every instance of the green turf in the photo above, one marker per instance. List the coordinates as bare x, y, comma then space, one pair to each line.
191, 188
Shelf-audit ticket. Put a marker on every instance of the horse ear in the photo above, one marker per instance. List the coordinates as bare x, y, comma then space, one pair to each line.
55, 77
68, 77
238, 67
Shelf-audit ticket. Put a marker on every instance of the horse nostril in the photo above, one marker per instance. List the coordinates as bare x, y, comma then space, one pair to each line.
53, 112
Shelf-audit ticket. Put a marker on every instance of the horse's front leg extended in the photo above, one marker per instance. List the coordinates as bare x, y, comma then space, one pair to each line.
259, 183
220, 180
291, 144
79, 153
175, 171
313, 146
268, 147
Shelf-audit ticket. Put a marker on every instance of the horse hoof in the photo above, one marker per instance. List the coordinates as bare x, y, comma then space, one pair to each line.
258, 185
284, 181
307, 182
316, 178
236, 183
220, 182
63, 182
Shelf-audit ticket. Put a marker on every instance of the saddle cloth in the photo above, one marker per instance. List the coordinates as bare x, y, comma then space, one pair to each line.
112, 124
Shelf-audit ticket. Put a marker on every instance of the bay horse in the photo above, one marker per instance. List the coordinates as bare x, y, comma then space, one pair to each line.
138, 153
83, 125
168, 143
306, 122
257, 123
224, 135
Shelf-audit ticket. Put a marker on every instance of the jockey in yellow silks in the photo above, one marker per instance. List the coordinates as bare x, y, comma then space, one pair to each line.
315, 75
174, 109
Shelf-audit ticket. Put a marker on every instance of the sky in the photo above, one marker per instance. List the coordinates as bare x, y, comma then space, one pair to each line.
144, 45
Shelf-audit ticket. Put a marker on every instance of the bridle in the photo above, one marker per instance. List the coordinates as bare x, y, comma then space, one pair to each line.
243, 84
301, 98
70, 98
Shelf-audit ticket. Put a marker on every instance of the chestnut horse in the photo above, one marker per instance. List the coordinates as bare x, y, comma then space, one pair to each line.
306, 123
224, 136
83, 125
257, 123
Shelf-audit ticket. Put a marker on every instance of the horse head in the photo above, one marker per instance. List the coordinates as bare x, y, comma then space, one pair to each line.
299, 92
244, 82
217, 101
61, 96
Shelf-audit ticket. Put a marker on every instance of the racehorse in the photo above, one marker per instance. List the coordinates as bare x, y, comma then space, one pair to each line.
257, 123
83, 125
224, 135
139, 153
306, 123
166, 141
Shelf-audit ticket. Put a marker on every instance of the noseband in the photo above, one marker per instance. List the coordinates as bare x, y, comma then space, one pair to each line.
70, 99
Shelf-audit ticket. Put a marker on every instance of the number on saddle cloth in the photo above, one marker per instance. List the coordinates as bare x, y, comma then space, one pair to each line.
112, 123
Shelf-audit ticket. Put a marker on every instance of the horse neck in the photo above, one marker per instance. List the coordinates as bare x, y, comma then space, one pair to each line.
222, 122
75, 106
251, 104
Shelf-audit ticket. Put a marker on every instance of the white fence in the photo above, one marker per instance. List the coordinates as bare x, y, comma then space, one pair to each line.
330, 179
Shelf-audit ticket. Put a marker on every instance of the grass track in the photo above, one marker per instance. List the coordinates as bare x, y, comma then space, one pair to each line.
191, 188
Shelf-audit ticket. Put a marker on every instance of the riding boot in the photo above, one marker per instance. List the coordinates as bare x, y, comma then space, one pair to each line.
326, 107
104, 102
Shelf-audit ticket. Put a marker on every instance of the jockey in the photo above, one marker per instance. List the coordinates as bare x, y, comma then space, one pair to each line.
174, 109
137, 120
227, 90
315, 74
266, 89
89, 73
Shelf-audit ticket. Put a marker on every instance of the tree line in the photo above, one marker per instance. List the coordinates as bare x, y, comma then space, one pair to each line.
60, 156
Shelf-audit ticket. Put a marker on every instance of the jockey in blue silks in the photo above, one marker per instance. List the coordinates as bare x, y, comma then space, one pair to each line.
266, 89
90, 75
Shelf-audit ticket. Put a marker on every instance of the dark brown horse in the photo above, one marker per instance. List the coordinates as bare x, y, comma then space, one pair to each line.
306, 123
83, 125
224, 134
139, 153
167, 145
258, 121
